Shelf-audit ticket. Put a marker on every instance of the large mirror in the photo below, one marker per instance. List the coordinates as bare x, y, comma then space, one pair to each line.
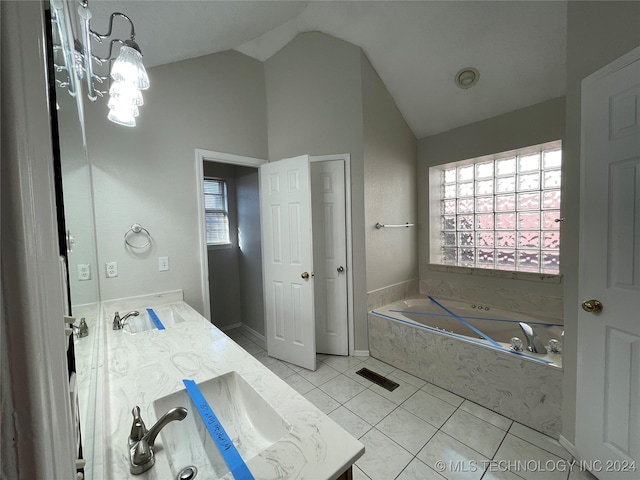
77, 187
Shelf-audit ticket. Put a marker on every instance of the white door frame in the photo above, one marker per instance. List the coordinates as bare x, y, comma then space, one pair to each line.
203, 155
38, 433
218, 157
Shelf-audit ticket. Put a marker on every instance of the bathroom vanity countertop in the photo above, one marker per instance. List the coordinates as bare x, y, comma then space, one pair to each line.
126, 370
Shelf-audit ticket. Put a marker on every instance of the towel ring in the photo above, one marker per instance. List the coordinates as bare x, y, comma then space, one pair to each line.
136, 228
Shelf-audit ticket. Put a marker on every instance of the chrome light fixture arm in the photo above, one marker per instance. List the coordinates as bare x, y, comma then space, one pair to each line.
85, 17
127, 71
127, 43
101, 36
62, 20
87, 34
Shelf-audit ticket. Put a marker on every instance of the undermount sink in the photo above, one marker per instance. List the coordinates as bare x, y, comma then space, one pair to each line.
144, 322
249, 421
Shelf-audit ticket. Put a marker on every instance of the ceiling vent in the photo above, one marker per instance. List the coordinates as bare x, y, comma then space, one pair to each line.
467, 77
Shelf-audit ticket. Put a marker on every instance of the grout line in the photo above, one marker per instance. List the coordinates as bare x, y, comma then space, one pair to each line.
419, 389
531, 443
477, 416
405, 467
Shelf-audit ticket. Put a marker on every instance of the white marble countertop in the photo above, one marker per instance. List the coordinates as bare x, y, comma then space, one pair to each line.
117, 371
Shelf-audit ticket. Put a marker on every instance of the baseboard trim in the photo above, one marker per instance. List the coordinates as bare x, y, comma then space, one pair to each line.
356, 353
230, 327
568, 446
253, 332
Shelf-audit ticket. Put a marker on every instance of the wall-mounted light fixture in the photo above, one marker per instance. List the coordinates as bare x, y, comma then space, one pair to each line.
127, 75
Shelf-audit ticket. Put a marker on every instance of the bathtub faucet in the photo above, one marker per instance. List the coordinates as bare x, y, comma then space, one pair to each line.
534, 344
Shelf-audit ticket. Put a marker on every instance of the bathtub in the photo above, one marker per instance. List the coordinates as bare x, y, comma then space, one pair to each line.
465, 348
476, 323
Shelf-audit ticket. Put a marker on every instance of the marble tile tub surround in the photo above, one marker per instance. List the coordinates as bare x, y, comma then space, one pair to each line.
408, 431
523, 390
138, 369
392, 293
515, 300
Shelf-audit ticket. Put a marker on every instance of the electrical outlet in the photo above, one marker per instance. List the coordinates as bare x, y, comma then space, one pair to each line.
84, 272
163, 264
112, 269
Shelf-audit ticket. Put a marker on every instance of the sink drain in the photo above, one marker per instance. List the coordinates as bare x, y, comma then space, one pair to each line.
188, 473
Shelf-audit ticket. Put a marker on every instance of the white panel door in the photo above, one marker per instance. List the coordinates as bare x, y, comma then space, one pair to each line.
287, 260
330, 256
608, 383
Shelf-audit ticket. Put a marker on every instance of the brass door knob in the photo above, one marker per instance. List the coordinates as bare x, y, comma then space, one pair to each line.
305, 275
340, 269
592, 306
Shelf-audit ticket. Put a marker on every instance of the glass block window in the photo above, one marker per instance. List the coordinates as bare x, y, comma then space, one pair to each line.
216, 212
500, 212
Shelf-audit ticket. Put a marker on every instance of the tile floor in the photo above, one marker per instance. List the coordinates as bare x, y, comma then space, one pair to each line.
419, 431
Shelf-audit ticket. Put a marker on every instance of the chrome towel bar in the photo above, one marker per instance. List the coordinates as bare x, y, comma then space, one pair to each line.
381, 225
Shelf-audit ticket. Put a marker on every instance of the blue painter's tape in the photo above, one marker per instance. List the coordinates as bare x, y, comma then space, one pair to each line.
488, 319
466, 324
461, 337
428, 314
155, 319
228, 450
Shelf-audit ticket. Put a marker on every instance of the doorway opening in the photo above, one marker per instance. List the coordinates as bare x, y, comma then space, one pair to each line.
232, 274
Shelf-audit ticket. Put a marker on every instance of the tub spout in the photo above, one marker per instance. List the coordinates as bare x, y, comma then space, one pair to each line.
534, 344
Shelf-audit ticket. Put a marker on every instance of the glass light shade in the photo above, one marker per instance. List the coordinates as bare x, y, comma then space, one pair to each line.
114, 104
127, 92
122, 117
128, 67
122, 112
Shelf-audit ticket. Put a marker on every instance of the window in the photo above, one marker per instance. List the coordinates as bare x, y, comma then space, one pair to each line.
499, 212
216, 212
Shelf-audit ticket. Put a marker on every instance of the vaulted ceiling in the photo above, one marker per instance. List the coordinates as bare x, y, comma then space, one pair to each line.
417, 47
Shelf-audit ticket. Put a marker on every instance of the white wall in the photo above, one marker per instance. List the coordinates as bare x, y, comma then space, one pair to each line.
310, 95
390, 185
529, 126
324, 97
250, 248
597, 34
235, 273
78, 199
147, 174
314, 98
224, 276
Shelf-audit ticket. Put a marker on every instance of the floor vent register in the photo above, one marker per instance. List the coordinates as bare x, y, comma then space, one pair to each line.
378, 379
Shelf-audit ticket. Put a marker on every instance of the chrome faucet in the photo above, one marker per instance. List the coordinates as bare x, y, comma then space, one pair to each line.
82, 330
118, 323
534, 344
142, 441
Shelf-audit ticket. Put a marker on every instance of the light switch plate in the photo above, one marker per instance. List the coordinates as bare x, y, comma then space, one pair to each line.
163, 264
